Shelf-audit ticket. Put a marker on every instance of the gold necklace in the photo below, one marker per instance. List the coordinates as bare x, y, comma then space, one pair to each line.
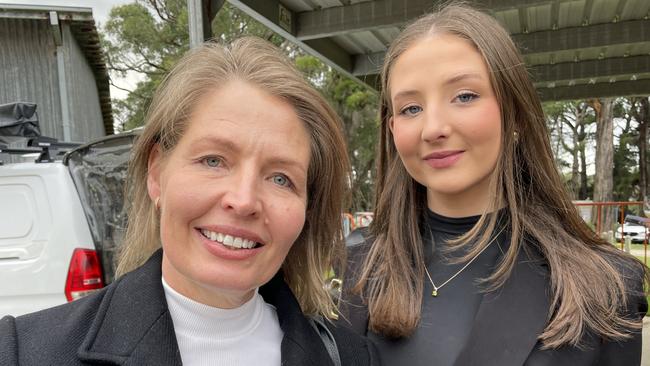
434, 293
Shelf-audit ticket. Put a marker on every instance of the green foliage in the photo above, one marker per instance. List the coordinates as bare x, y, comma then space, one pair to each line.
564, 119
626, 157
570, 125
357, 106
144, 38
148, 37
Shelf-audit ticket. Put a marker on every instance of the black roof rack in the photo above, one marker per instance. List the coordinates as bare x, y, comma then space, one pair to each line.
42, 145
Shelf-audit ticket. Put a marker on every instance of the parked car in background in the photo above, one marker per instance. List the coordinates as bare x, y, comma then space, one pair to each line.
633, 228
61, 221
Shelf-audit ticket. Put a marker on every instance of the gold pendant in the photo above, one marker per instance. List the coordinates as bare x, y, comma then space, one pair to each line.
434, 293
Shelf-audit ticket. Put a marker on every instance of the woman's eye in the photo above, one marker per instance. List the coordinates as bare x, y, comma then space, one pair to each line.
466, 97
281, 180
212, 161
411, 110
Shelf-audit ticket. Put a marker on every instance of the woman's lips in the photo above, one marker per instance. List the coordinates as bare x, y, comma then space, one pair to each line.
443, 159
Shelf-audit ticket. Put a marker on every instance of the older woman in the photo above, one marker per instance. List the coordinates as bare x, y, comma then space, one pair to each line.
236, 185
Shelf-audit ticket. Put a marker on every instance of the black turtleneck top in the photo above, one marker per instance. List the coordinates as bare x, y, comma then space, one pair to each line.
447, 319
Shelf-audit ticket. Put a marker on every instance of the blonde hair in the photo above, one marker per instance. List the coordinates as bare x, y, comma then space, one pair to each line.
258, 62
525, 180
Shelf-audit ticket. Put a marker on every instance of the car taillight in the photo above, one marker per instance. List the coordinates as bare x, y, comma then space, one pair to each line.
84, 274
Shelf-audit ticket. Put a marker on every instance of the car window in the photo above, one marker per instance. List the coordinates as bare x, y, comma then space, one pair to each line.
99, 171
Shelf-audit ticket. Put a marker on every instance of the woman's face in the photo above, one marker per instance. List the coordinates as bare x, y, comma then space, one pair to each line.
232, 194
446, 122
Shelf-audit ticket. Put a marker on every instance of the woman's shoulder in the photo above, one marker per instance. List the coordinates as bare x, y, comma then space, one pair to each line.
51, 334
55, 335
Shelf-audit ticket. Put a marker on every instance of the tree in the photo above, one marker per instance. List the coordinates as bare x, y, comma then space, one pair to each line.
357, 105
626, 163
604, 177
145, 38
640, 111
148, 37
570, 123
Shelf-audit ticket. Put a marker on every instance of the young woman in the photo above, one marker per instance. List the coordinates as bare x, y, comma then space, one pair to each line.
476, 255
237, 183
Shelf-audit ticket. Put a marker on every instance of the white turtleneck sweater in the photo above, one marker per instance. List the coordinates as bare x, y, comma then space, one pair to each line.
247, 335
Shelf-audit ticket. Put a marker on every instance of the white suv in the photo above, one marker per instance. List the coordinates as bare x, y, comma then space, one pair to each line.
60, 223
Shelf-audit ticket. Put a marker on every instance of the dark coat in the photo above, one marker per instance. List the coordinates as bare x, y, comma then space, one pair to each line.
510, 319
128, 323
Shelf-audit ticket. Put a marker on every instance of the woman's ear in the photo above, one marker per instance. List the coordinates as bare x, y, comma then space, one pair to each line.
154, 168
390, 123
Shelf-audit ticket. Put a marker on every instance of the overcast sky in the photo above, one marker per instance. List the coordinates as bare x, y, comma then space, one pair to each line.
101, 8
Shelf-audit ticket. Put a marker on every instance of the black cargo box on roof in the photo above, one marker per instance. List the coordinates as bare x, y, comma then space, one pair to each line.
18, 120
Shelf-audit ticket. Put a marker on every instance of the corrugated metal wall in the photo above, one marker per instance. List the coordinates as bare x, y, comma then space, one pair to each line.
85, 112
28, 72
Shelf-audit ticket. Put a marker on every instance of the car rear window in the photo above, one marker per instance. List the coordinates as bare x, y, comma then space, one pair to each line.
99, 172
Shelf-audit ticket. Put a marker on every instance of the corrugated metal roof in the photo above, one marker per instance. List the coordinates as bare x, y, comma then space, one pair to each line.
85, 32
352, 35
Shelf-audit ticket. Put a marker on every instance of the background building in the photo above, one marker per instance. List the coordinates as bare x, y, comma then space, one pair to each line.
51, 56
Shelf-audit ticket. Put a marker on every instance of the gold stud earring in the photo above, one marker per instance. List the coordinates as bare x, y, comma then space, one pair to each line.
515, 135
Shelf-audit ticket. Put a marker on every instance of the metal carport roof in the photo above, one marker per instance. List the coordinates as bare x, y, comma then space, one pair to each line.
574, 48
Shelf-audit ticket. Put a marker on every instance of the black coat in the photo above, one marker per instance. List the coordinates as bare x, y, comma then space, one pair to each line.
510, 319
128, 323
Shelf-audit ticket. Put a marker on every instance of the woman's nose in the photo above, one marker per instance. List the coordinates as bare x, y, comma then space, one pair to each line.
436, 125
242, 197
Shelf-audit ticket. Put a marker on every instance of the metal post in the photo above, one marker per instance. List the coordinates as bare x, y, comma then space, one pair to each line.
195, 20
622, 224
60, 66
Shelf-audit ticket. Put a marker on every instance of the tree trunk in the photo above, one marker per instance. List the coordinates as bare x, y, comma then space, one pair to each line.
584, 189
642, 119
575, 170
604, 178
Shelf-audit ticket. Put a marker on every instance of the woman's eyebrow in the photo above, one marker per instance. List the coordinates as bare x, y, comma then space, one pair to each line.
405, 94
452, 80
288, 163
215, 140
463, 76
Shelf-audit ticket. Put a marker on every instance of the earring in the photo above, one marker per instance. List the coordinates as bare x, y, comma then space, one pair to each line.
515, 135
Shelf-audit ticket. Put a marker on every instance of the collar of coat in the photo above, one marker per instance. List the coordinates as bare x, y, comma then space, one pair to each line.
133, 326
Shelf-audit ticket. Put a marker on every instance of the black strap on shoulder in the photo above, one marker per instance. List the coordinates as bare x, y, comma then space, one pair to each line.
327, 337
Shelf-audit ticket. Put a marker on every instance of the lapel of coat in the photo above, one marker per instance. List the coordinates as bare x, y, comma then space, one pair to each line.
133, 325
301, 345
510, 319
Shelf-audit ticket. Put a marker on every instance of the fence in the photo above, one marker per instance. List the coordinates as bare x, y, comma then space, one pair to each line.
353, 221
628, 228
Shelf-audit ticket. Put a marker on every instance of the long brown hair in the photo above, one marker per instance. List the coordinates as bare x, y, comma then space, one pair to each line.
525, 181
258, 62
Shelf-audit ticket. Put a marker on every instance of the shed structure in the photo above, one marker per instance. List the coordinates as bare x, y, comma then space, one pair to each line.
574, 49
51, 56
